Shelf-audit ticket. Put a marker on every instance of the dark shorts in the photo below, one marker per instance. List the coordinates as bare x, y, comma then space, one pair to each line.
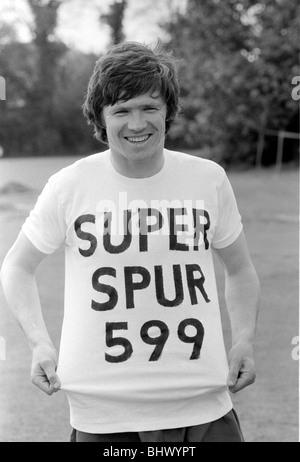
224, 430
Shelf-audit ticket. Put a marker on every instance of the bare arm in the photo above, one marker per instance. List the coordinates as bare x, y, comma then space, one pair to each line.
20, 289
242, 294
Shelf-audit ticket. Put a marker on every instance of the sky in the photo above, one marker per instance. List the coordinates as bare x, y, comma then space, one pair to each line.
79, 24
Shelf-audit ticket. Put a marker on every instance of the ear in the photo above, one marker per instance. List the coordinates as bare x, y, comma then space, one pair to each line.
101, 135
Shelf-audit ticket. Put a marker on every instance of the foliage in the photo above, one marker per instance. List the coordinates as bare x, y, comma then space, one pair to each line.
114, 18
45, 88
236, 62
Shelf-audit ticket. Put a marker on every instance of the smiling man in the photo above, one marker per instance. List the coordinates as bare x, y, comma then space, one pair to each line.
142, 356
136, 134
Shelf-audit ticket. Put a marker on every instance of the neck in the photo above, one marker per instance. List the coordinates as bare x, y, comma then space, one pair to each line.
138, 169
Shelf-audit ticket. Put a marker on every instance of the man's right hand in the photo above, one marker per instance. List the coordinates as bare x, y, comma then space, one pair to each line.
43, 369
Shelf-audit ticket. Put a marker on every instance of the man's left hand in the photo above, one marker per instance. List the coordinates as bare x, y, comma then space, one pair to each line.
241, 367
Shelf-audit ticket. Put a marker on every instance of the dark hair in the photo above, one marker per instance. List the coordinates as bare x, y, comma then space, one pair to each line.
128, 70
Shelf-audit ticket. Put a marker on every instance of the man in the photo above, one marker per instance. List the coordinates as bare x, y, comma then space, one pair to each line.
142, 356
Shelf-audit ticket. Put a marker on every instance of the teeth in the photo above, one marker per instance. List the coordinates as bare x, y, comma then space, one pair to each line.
138, 139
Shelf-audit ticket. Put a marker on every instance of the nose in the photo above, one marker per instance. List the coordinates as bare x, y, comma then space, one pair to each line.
137, 122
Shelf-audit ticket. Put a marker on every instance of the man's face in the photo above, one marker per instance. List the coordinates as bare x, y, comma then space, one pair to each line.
136, 128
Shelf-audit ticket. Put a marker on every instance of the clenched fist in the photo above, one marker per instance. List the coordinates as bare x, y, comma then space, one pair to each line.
43, 369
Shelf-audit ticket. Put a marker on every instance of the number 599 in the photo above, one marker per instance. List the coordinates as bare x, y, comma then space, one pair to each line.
158, 341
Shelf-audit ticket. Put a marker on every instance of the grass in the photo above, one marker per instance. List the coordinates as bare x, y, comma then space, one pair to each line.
269, 206
268, 410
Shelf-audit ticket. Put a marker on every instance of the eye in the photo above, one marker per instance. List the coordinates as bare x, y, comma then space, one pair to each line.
151, 109
121, 111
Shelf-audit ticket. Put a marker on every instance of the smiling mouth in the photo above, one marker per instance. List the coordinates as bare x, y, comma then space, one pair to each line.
137, 139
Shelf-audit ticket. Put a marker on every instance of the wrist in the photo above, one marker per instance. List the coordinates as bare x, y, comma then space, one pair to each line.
245, 342
41, 343
245, 337
242, 349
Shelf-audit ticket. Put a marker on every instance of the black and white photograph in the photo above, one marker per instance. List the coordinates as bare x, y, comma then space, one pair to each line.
149, 223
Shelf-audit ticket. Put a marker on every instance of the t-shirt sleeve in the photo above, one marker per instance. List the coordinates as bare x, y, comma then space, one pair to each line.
44, 226
229, 225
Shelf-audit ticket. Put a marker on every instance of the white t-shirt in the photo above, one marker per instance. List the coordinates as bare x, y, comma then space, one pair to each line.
142, 346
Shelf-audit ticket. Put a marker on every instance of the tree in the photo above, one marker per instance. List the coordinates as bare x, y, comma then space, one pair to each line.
114, 18
48, 51
18, 66
278, 61
74, 72
46, 83
236, 61
7, 33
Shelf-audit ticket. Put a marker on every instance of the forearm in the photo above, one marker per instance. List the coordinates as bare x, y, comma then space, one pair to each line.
242, 294
21, 293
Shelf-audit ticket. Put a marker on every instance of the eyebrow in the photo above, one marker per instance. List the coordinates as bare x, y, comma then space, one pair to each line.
121, 104
144, 105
